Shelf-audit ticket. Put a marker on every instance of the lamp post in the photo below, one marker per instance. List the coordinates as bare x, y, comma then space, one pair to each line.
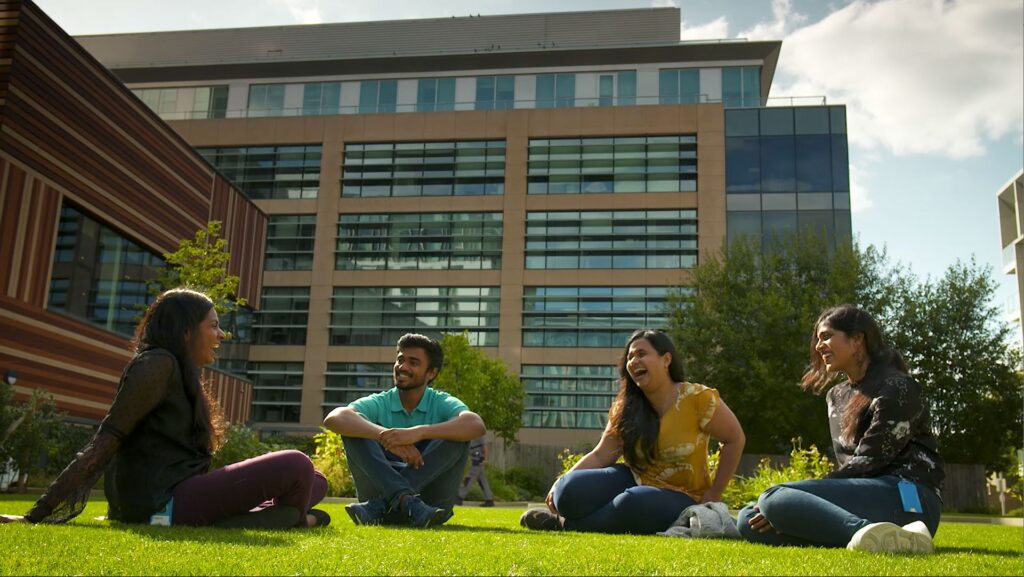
10, 377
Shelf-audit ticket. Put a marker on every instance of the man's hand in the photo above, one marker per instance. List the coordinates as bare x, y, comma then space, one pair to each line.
410, 454
392, 438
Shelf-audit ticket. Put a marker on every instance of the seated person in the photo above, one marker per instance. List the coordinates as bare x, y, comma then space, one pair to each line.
660, 424
407, 446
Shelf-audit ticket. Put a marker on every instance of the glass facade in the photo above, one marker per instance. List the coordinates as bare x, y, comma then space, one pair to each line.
460, 168
98, 275
787, 169
194, 102
425, 241
568, 396
555, 90
590, 316
613, 164
495, 92
290, 241
346, 382
435, 94
611, 239
741, 87
284, 316
266, 100
680, 86
269, 171
377, 96
320, 98
378, 316
276, 391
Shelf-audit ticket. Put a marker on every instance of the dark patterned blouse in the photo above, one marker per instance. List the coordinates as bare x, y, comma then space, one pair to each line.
893, 435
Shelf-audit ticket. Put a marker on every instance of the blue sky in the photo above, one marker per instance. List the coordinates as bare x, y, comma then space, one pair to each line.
934, 90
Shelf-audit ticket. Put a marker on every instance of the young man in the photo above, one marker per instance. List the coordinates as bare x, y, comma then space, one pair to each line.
478, 453
407, 446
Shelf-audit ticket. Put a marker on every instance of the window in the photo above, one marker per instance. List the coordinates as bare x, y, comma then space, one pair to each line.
269, 171
378, 96
458, 240
203, 101
282, 321
611, 239
320, 98
378, 316
568, 396
276, 392
590, 316
741, 86
679, 86
98, 275
495, 92
605, 89
435, 94
290, 241
346, 382
606, 165
266, 100
462, 168
556, 90
626, 87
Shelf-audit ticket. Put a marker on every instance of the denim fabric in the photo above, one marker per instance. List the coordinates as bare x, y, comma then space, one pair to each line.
380, 474
827, 512
608, 500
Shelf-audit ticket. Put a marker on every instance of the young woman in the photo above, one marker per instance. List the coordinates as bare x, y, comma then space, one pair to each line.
160, 433
660, 425
885, 494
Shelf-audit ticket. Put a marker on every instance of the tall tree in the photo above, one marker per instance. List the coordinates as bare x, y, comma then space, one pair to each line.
484, 384
201, 263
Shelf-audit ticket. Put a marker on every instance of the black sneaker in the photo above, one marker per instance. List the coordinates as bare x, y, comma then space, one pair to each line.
322, 518
275, 517
422, 515
367, 513
540, 519
487, 503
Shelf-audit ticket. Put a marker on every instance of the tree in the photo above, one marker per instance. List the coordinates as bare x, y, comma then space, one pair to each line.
744, 328
201, 264
32, 429
483, 384
949, 333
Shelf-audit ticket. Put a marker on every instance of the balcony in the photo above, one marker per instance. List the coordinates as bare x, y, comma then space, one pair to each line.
1010, 258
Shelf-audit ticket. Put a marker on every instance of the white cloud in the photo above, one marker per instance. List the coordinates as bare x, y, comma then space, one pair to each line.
716, 29
664, 4
783, 20
303, 11
917, 76
860, 198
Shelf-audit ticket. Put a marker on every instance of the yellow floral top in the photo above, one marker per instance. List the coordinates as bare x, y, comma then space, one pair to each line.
682, 459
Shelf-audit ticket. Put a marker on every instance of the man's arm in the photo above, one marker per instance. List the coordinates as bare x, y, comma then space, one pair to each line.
465, 427
348, 423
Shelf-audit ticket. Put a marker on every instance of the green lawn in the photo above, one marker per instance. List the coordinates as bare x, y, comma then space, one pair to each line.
475, 542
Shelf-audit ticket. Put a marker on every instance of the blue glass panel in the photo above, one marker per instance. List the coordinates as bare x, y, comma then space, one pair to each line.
742, 164
813, 163
840, 164
838, 119
742, 122
811, 120
778, 164
776, 121
777, 225
565, 90
668, 87
505, 92
545, 96
426, 95
330, 98
752, 86
689, 86
445, 94
485, 93
606, 89
626, 88
732, 87
739, 224
368, 96
388, 96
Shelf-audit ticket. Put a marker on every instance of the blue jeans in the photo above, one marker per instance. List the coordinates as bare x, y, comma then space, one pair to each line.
827, 512
379, 474
608, 500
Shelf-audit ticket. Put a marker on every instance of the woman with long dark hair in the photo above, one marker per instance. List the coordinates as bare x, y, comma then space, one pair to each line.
156, 442
885, 494
660, 425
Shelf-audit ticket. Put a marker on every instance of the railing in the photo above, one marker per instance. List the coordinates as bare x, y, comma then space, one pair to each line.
737, 102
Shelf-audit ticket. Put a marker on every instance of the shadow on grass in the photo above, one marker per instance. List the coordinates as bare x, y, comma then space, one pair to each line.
204, 534
480, 529
975, 551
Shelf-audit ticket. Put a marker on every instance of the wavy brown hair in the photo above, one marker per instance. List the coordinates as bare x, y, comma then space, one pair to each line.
169, 323
851, 321
632, 417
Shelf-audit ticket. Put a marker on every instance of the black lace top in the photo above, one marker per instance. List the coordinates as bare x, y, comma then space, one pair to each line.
893, 436
146, 445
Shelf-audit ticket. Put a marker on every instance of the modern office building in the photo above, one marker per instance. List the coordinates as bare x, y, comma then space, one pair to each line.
94, 188
1011, 234
541, 181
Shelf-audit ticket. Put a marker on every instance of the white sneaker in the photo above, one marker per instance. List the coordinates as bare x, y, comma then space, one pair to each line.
891, 538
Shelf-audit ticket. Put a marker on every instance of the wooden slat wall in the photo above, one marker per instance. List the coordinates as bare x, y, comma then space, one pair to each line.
69, 130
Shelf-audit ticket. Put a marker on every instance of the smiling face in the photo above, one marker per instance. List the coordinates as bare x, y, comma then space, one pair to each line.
412, 369
206, 339
837, 349
645, 366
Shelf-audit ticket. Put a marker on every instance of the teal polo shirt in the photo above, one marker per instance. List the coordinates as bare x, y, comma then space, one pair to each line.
385, 409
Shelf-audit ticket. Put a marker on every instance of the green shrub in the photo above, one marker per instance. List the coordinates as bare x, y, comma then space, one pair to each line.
329, 458
568, 459
500, 488
803, 464
530, 482
281, 442
240, 443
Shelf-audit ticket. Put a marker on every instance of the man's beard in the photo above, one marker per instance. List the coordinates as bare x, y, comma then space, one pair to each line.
408, 385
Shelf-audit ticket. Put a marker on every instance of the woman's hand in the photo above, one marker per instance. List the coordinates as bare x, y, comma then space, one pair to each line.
12, 519
759, 523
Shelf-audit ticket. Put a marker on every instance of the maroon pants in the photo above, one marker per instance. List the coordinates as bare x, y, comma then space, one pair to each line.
278, 478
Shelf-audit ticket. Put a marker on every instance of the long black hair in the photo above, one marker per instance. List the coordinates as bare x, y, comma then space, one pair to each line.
851, 321
632, 417
170, 323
